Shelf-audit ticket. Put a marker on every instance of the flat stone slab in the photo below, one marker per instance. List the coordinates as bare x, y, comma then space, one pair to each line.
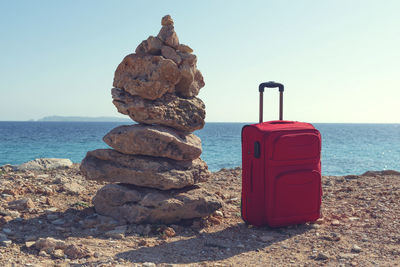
131, 204
45, 164
161, 173
154, 140
184, 114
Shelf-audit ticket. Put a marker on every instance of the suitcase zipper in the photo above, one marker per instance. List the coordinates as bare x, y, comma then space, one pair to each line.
251, 176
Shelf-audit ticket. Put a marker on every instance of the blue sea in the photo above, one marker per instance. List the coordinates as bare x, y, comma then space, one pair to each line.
346, 148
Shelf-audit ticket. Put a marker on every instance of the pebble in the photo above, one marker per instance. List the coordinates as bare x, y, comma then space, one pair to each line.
356, 249
316, 226
14, 214
335, 223
73, 188
322, 256
169, 232
6, 195
148, 264
77, 251
21, 204
58, 253
5, 243
43, 253
347, 256
332, 237
49, 244
29, 244
219, 213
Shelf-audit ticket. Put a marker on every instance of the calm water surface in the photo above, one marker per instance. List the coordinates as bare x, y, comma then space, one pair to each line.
346, 148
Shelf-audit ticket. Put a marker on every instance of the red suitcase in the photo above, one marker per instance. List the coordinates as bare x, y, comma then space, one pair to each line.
281, 170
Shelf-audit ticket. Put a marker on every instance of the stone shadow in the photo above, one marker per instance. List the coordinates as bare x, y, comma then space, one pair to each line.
79, 222
194, 247
214, 246
59, 225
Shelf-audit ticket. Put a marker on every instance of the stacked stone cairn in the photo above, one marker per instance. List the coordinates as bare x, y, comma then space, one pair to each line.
154, 166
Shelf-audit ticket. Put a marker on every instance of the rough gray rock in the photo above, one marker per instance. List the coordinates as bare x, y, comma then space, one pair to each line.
45, 164
161, 173
147, 76
184, 48
154, 140
150, 46
169, 110
170, 53
167, 20
21, 204
168, 35
191, 80
49, 244
143, 205
73, 188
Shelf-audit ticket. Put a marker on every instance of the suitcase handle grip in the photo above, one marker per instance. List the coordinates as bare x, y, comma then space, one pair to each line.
271, 85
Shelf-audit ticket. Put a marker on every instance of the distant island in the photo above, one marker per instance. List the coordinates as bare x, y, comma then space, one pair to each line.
87, 119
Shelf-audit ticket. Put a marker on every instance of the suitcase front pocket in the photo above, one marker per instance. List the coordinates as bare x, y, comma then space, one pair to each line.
297, 146
297, 193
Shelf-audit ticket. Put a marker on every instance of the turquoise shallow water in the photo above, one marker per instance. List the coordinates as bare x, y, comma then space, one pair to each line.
346, 148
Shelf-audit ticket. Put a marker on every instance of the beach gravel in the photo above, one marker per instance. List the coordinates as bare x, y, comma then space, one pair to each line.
366, 206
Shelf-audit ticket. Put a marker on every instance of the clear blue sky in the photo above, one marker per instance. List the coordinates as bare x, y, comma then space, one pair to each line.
339, 60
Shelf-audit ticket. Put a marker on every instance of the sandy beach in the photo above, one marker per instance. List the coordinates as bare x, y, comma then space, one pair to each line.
47, 219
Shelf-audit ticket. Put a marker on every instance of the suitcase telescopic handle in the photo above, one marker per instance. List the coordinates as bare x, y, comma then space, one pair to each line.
271, 85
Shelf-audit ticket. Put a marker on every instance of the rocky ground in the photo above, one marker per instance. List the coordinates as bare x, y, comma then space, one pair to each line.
47, 219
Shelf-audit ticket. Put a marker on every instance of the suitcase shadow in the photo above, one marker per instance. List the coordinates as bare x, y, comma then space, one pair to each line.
214, 246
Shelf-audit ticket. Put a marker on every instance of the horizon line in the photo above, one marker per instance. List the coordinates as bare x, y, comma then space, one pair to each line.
242, 122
